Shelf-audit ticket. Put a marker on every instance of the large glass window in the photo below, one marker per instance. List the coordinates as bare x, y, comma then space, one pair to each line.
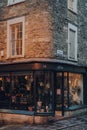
5, 88
31, 91
44, 90
16, 91
69, 90
22, 91
75, 89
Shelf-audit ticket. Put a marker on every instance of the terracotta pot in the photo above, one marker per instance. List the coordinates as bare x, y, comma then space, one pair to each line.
30, 108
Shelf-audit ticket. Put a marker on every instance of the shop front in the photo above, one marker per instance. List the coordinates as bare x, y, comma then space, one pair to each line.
41, 89
69, 92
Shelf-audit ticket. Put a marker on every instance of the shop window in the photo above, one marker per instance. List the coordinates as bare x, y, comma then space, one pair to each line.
44, 90
75, 89
16, 92
15, 44
10, 2
72, 42
5, 87
22, 92
69, 90
72, 5
31, 91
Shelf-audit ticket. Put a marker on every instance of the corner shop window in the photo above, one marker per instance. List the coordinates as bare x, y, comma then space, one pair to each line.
69, 90
31, 91
75, 89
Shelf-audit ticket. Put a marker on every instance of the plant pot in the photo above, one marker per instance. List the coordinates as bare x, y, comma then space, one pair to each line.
30, 108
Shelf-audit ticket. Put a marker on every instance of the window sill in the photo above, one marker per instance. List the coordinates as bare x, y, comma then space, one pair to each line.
16, 56
44, 114
74, 60
30, 113
22, 112
76, 107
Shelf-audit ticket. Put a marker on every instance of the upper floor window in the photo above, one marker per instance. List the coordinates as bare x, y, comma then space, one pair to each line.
15, 35
10, 2
72, 42
72, 5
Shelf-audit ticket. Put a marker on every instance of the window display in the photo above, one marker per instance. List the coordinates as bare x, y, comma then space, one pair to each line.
75, 89
22, 91
27, 91
69, 90
44, 90
16, 91
35, 91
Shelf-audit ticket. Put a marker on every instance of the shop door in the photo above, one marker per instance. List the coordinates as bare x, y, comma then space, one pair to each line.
59, 96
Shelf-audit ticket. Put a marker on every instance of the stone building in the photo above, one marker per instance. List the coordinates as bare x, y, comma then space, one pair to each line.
43, 59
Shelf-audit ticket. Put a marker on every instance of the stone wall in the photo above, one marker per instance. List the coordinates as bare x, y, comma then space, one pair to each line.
61, 17
82, 32
8, 118
38, 29
46, 28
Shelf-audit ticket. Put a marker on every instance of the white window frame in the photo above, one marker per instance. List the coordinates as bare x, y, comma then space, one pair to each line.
9, 23
74, 6
74, 28
11, 2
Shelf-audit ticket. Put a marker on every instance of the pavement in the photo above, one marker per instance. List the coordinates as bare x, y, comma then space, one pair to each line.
72, 123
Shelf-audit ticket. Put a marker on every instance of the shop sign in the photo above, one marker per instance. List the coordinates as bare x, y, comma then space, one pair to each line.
60, 67
60, 52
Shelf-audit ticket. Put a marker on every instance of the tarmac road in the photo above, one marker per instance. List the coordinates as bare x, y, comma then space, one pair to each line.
74, 123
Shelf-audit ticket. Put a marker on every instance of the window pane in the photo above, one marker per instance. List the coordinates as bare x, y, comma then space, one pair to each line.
19, 47
72, 44
16, 39
22, 92
76, 89
44, 90
5, 91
